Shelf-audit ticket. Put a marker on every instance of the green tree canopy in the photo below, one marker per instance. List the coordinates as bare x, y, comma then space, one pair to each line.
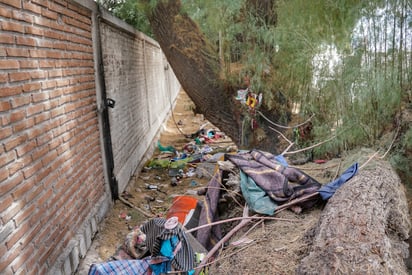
348, 62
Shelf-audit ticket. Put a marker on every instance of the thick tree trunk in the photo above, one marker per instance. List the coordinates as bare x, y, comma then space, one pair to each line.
196, 65
363, 227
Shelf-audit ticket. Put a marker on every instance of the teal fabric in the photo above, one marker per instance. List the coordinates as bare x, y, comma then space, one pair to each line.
162, 267
257, 199
166, 250
168, 246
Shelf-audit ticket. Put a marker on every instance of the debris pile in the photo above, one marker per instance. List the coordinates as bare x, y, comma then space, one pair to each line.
204, 207
255, 183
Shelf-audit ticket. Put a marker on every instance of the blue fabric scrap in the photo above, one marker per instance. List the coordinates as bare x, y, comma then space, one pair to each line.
327, 190
166, 249
281, 159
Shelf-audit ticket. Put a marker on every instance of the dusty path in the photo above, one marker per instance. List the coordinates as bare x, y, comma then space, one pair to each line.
115, 226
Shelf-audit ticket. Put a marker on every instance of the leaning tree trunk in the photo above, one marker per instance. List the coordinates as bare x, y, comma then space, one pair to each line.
363, 227
196, 65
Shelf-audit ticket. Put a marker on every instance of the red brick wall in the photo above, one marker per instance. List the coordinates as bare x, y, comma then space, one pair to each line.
51, 171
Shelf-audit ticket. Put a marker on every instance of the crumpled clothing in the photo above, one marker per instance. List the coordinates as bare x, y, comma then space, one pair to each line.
184, 258
123, 267
162, 264
257, 199
329, 189
208, 236
134, 243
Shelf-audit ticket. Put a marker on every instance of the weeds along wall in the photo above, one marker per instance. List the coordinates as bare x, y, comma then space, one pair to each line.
61, 147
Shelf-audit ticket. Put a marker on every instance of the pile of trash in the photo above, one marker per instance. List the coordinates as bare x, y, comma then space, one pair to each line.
188, 237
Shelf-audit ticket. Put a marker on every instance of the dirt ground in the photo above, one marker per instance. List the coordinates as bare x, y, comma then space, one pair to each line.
264, 247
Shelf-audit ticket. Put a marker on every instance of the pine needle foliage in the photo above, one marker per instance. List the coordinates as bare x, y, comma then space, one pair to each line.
349, 62
346, 61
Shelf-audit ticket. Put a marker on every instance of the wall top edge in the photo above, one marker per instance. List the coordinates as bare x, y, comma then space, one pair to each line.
107, 17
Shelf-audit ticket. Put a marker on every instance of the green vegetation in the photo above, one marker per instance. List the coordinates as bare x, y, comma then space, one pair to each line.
132, 12
349, 62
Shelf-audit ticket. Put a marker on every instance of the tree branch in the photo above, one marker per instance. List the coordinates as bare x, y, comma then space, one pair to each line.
242, 223
135, 207
310, 147
285, 127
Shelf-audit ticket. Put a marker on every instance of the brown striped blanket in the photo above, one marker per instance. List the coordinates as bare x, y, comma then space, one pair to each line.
281, 183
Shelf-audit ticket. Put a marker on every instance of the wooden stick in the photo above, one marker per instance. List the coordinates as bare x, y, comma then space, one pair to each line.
393, 141
135, 207
287, 149
254, 217
295, 201
370, 158
285, 127
337, 170
285, 138
215, 248
310, 147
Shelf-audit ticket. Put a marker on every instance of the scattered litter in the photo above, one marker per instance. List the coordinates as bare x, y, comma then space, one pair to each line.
149, 198
175, 180
191, 192
191, 172
190, 148
174, 172
199, 257
151, 186
124, 216
206, 149
146, 169
162, 148
179, 157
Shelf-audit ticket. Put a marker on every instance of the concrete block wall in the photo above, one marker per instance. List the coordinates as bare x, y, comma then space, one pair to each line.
54, 186
138, 78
